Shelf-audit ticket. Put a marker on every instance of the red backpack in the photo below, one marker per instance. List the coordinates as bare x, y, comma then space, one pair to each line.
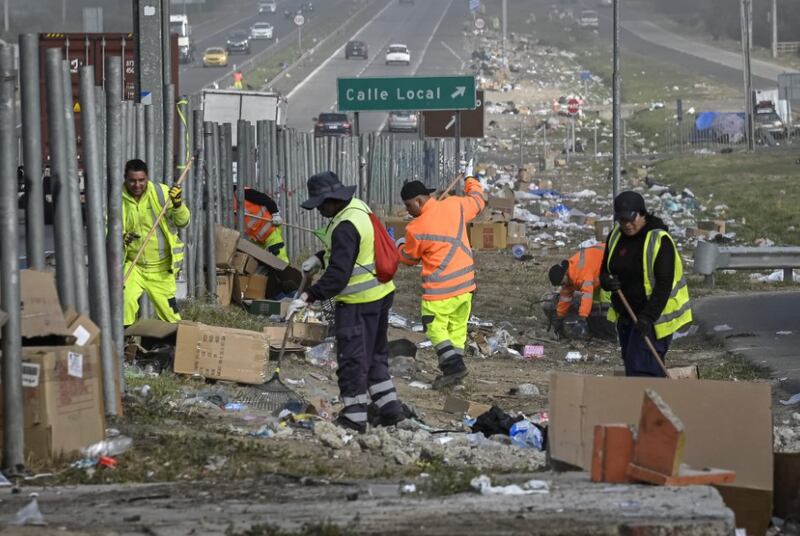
386, 255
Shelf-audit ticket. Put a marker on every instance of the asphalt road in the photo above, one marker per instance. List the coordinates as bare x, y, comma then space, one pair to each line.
429, 28
764, 327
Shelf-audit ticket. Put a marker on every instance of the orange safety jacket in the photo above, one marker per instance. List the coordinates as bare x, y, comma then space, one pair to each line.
257, 229
583, 279
438, 238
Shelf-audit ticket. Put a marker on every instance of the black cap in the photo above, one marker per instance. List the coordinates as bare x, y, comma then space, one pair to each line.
627, 205
557, 273
412, 189
326, 185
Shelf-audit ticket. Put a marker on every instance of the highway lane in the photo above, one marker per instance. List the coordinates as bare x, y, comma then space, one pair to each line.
413, 25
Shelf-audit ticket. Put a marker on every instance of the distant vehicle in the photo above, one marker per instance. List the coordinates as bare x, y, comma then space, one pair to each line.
332, 124
403, 121
227, 106
355, 48
398, 54
261, 30
215, 57
266, 6
606, 3
287, 14
589, 19
238, 41
308, 6
179, 24
766, 119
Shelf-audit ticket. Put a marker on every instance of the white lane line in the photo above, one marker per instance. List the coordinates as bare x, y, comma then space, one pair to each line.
336, 53
424, 51
453, 52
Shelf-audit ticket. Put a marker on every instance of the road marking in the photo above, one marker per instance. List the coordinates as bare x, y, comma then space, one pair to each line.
453, 52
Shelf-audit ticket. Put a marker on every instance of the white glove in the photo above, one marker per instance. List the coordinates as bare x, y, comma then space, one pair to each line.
400, 242
312, 264
469, 171
297, 304
276, 219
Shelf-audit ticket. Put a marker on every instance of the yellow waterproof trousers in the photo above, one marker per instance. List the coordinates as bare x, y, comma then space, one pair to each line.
445, 323
275, 244
160, 288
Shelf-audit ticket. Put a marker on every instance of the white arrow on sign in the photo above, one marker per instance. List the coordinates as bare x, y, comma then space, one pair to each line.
452, 122
459, 92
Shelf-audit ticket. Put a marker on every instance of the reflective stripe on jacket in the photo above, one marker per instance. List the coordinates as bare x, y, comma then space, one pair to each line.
678, 311
363, 286
257, 221
438, 238
583, 281
165, 249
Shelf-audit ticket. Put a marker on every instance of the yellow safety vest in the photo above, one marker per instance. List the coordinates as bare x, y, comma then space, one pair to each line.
678, 311
363, 286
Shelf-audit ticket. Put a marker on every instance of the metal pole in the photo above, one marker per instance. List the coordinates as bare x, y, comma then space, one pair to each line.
211, 269
5, 17
617, 109
114, 176
65, 270
458, 136
74, 194
11, 343
200, 177
241, 165
100, 308
774, 28
748, 98
226, 174
32, 149
150, 140
169, 131
140, 134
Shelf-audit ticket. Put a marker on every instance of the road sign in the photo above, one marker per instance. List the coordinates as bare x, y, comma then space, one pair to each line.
299, 20
474, 5
480, 23
586, 75
441, 124
573, 106
406, 93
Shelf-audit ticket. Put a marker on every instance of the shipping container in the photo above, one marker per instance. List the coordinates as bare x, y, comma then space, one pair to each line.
92, 49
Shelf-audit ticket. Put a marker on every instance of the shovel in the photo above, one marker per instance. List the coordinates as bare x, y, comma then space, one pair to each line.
646, 338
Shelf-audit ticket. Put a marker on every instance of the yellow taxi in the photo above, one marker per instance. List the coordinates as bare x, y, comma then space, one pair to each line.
215, 57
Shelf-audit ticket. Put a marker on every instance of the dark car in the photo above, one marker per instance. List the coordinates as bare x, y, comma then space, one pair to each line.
355, 48
332, 124
238, 41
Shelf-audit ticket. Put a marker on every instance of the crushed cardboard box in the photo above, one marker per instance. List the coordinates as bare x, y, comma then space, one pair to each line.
261, 255
225, 244
81, 328
41, 310
459, 406
484, 235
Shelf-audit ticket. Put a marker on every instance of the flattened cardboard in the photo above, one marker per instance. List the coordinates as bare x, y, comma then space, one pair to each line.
225, 244
152, 328
711, 411
787, 484
751, 507
453, 404
239, 262
41, 312
82, 328
63, 400
488, 235
261, 254
268, 307
221, 353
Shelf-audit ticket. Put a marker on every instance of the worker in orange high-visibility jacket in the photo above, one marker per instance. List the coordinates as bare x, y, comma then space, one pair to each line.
437, 238
262, 222
579, 281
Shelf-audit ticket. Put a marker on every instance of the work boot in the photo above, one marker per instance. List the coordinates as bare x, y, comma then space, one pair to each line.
451, 376
344, 422
389, 420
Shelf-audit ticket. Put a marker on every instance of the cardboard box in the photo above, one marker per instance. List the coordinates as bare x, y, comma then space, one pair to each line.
255, 287
81, 328
152, 328
63, 400
787, 484
225, 244
712, 412
268, 307
517, 233
715, 226
261, 255
224, 289
221, 353
502, 203
309, 333
488, 235
239, 262
456, 405
751, 507
602, 228
41, 310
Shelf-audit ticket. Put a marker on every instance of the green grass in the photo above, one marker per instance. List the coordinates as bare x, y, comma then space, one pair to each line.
732, 367
215, 315
446, 480
761, 190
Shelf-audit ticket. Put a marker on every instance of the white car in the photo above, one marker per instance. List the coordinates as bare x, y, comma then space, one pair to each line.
267, 6
589, 19
398, 54
261, 30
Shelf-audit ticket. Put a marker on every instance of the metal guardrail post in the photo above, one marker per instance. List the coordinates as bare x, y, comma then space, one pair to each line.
93, 175
140, 133
32, 149
241, 165
114, 176
11, 343
200, 171
169, 130
150, 142
225, 164
210, 143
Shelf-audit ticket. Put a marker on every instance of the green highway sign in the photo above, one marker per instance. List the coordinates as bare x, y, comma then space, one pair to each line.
406, 93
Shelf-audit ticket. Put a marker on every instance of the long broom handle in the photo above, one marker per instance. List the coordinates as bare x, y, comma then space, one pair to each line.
450, 186
646, 337
292, 225
152, 231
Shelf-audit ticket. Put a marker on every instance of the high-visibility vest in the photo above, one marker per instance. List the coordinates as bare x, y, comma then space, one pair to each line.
363, 286
583, 282
169, 243
438, 238
678, 311
256, 228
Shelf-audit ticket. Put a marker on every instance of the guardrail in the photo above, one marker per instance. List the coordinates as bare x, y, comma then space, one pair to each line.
709, 257
789, 47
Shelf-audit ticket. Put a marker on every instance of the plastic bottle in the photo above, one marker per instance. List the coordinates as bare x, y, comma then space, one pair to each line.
525, 434
110, 447
518, 251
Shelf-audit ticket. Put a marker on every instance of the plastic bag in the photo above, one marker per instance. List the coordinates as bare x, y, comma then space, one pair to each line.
30, 515
109, 447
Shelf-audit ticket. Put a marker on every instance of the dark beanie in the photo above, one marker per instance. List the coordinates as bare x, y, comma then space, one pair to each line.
557, 272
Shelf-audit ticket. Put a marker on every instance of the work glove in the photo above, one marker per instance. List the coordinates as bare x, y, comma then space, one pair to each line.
469, 169
297, 305
610, 282
644, 326
311, 265
176, 195
400, 242
581, 328
129, 238
276, 219
558, 326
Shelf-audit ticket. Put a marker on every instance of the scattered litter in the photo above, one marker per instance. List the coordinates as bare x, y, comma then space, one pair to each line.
783, 333
235, 406
483, 484
264, 432
425, 344
322, 355
4, 482
573, 356
215, 463
109, 447
30, 514
525, 389
688, 333
420, 385
525, 434
408, 488
722, 327
533, 351
794, 399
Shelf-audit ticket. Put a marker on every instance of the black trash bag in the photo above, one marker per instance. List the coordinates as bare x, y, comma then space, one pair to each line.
494, 421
